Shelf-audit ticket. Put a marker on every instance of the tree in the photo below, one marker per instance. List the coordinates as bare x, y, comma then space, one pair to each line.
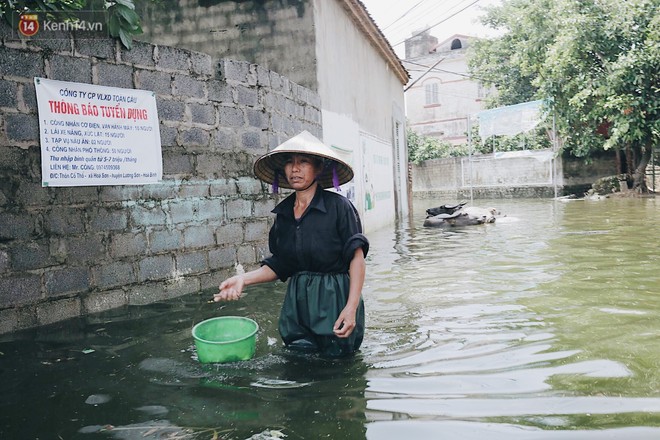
421, 148
536, 139
123, 21
598, 62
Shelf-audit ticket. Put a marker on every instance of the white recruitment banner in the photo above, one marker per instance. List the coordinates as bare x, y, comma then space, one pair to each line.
509, 120
95, 135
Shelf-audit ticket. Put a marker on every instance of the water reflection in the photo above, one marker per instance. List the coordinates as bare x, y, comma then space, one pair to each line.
544, 321
540, 326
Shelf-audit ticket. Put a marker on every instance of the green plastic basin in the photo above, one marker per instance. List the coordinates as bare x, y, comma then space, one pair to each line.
225, 339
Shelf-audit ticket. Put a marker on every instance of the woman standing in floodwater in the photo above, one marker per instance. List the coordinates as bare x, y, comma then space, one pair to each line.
317, 243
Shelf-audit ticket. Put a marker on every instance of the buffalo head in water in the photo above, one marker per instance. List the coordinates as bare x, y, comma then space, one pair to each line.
459, 215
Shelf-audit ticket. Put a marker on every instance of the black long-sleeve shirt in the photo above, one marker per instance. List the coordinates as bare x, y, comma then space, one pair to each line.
323, 240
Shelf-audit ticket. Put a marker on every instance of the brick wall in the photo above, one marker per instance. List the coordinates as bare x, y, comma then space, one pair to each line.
70, 251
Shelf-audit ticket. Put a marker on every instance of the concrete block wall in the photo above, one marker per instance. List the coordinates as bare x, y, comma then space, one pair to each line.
69, 251
512, 177
276, 34
580, 174
524, 177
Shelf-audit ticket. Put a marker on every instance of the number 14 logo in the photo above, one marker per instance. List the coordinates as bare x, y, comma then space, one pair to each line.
28, 25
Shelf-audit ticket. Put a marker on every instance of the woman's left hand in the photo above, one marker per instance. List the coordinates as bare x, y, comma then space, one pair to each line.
345, 324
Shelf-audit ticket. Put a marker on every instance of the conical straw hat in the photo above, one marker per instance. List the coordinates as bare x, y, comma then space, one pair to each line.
304, 143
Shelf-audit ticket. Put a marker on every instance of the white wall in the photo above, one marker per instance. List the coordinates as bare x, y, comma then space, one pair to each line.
342, 134
372, 189
361, 99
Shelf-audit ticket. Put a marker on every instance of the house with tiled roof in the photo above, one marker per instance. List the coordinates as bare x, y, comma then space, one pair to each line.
332, 47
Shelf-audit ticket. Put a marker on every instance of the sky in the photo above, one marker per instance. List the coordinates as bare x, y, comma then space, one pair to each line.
399, 19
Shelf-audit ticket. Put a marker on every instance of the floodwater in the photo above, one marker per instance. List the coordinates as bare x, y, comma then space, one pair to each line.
543, 325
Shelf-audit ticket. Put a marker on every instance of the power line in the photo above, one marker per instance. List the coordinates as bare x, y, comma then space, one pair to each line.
435, 69
438, 23
422, 75
423, 15
404, 14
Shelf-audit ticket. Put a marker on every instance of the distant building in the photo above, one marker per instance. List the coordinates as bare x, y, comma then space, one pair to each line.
441, 95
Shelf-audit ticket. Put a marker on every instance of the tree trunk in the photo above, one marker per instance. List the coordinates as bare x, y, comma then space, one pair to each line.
639, 175
630, 164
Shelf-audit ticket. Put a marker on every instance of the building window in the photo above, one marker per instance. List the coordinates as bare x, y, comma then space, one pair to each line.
456, 44
432, 94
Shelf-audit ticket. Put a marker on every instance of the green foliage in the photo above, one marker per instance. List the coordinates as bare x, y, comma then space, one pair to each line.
11, 10
597, 60
509, 62
421, 148
608, 184
537, 139
123, 21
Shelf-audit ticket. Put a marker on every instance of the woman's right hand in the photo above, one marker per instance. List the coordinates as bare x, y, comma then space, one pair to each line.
230, 289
